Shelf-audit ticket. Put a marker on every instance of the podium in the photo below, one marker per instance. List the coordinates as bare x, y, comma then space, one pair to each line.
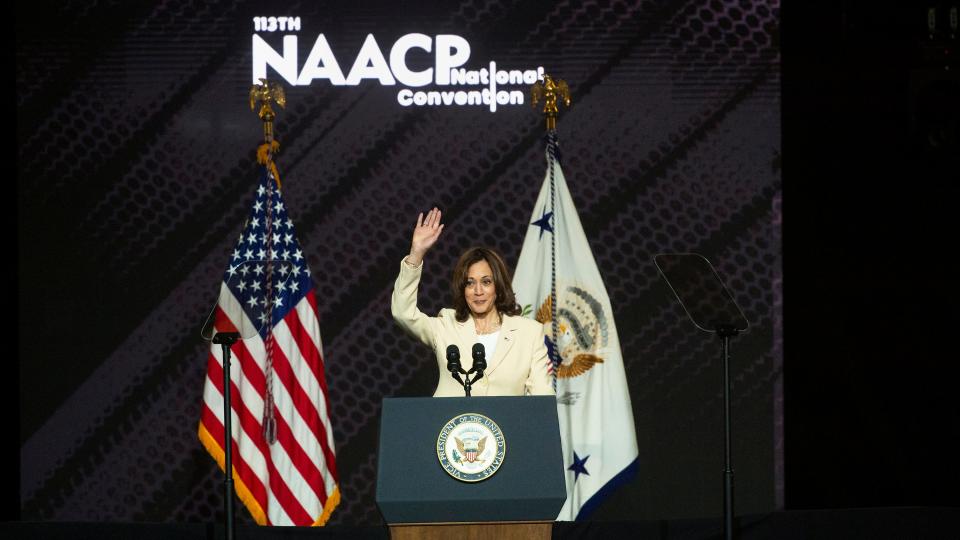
422, 490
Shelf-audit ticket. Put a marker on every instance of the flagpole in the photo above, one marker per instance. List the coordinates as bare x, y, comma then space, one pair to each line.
548, 91
264, 93
249, 304
558, 273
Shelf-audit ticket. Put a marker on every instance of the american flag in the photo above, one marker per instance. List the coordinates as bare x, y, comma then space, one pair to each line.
284, 467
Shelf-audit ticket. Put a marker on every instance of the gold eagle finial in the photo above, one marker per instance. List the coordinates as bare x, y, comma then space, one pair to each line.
265, 92
548, 91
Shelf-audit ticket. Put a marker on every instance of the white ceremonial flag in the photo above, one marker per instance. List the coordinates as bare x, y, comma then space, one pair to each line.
558, 283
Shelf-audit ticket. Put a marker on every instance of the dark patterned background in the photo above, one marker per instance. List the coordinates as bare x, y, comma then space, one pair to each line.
136, 168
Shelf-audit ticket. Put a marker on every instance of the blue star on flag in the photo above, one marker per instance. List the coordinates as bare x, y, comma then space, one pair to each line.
544, 222
578, 466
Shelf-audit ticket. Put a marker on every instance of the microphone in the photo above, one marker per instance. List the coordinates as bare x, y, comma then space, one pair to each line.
453, 362
479, 359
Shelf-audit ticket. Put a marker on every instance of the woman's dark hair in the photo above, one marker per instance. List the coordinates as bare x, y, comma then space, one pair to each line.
506, 302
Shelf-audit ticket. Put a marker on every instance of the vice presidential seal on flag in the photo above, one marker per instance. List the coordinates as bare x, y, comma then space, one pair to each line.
558, 283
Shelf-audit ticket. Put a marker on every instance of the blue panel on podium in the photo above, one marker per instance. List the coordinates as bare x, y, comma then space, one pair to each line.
413, 487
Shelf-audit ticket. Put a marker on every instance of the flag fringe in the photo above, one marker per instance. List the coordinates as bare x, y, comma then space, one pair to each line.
215, 451
333, 500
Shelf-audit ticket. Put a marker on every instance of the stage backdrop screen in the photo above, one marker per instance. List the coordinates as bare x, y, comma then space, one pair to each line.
136, 169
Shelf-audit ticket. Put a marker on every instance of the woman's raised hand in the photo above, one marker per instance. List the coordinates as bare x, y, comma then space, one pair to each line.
425, 234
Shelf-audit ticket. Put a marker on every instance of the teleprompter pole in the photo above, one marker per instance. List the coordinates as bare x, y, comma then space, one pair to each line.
226, 340
726, 332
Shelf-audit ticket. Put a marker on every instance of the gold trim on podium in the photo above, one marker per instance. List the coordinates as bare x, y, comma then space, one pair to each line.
501, 530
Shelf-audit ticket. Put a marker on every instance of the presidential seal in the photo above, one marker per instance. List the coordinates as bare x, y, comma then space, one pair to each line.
471, 447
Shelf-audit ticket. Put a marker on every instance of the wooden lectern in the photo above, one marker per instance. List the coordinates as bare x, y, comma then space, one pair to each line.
420, 499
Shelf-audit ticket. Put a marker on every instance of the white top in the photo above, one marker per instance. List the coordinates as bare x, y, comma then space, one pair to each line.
489, 342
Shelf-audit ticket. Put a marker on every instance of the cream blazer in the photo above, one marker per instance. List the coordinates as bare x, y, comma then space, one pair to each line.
519, 365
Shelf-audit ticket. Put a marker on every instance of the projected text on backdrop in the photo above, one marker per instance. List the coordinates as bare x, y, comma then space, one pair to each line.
450, 53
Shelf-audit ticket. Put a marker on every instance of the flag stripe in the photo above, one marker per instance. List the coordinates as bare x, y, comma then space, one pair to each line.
310, 316
293, 404
253, 447
293, 511
307, 312
290, 474
300, 397
300, 459
252, 370
258, 453
251, 391
250, 442
214, 426
303, 354
213, 398
314, 358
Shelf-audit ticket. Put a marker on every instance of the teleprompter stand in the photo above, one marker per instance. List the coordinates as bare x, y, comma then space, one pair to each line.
712, 308
226, 340
228, 323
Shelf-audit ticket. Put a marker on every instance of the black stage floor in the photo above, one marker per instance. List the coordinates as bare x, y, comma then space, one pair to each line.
867, 523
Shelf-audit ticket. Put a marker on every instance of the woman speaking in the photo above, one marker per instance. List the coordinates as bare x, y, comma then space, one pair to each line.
484, 311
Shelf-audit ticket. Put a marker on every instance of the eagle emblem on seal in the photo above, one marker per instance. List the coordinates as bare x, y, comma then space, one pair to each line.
471, 449
582, 331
